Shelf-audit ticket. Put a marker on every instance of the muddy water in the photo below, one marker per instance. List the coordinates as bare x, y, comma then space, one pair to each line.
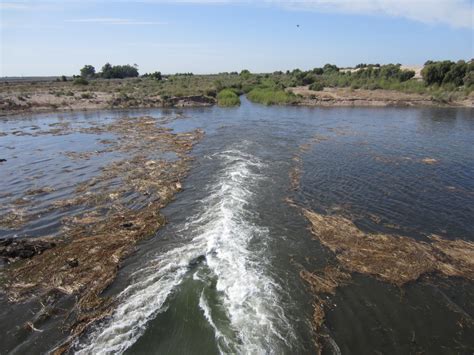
223, 275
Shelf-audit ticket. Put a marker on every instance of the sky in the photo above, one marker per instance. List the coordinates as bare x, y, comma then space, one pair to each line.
49, 38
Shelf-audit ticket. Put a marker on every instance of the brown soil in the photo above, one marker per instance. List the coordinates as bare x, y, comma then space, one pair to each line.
88, 251
360, 97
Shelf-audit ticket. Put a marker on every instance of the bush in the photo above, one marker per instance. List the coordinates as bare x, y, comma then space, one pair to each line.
86, 95
228, 98
80, 81
156, 75
271, 96
317, 86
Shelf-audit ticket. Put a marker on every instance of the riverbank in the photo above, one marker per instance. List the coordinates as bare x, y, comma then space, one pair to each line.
347, 97
53, 96
21, 97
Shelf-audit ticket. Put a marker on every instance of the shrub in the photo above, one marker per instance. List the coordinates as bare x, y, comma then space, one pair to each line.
156, 75
86, 95
316, 86
228, 98
272, 96
80, 81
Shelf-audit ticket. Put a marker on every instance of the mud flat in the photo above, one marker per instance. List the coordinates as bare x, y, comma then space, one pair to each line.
376, 98
120, 207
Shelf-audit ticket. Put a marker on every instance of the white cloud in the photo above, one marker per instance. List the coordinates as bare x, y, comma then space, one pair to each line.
456, 13
115, 21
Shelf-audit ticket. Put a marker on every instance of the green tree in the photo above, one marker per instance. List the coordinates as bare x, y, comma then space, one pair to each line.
330, 68
434, 72
106, 72
456, 74
88, 71
119, 71
245, 74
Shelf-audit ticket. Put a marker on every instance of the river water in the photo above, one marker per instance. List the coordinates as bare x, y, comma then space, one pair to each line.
223, 275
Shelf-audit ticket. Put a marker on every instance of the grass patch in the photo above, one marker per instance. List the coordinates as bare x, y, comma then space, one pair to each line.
228, 98
272, 96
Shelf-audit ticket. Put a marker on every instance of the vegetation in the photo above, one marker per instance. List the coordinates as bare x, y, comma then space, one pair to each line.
228, 98
119, 71
88, 71
272, 96
112, 72
156, 75
447, 72
80, 81
316, 86
444, 81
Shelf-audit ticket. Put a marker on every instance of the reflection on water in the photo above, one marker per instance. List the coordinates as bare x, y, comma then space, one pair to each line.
223, 275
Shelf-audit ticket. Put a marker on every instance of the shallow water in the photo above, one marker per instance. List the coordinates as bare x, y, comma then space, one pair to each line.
223, 275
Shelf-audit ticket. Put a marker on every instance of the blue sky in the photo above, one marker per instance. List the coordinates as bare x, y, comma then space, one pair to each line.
205, 36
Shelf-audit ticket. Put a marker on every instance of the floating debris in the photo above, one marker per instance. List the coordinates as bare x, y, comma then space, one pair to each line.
39, 191
324, 282
13, 219
392, 258
13, 249
429, 161
119, 208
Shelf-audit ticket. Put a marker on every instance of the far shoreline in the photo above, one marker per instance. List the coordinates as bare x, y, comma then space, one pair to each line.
329, 97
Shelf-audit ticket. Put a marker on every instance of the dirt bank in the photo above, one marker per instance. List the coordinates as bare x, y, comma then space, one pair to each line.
375, 98
31, 97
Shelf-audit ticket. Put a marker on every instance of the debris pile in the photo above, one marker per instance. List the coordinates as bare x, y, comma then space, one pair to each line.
391, 258
13, 249
121, 206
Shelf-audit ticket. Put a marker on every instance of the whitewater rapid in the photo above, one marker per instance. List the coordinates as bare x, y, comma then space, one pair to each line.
220, 250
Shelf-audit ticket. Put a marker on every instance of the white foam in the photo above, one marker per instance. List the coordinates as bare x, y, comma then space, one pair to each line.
222, 232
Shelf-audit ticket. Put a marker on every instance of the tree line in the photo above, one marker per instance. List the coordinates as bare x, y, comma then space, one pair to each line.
446, 74
109, 71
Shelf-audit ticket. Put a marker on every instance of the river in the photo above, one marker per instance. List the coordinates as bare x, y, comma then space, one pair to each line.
223, 275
